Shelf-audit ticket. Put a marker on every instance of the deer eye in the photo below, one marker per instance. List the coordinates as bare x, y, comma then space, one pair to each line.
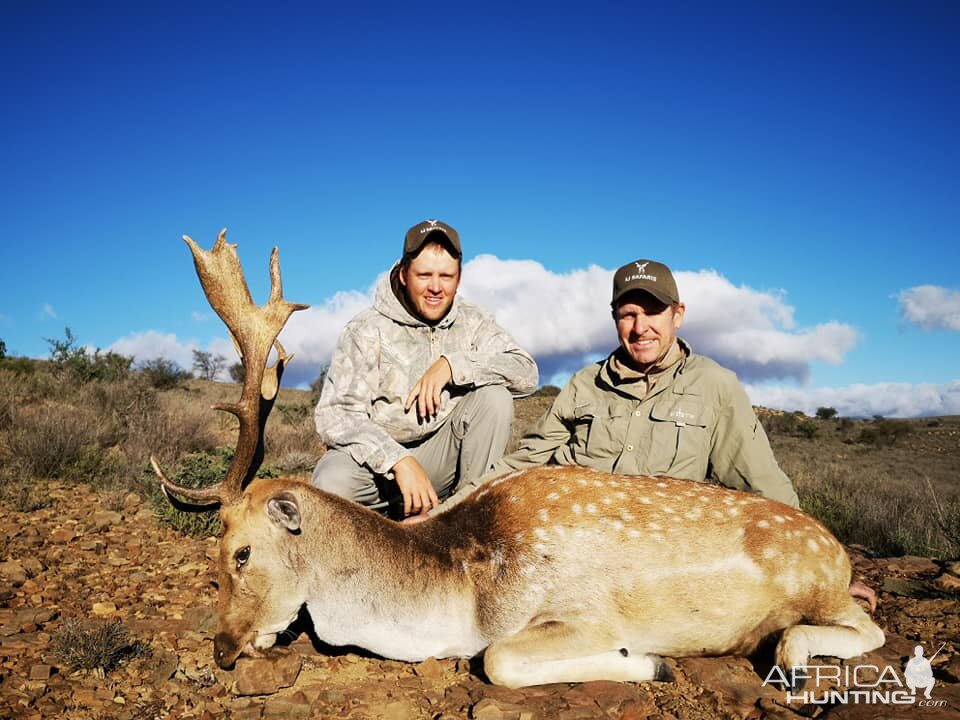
241, 556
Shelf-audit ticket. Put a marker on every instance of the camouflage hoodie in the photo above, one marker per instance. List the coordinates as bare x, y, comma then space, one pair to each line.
381, 355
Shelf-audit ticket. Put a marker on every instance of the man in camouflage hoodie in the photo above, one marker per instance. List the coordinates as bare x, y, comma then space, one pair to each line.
419, 395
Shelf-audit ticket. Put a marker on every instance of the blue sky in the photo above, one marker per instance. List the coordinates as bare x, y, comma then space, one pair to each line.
797, 164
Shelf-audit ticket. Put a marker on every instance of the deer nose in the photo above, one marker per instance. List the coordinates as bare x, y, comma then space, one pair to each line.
225, 650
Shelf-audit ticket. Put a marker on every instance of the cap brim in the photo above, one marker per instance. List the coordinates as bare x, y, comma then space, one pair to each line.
662, 297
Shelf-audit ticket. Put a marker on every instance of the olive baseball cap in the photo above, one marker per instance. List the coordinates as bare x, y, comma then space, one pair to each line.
649, 276
419, 234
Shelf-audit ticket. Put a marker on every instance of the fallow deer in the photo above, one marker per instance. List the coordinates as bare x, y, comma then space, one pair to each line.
560, 574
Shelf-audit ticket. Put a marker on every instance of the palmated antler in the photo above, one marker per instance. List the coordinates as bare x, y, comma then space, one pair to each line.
254, 330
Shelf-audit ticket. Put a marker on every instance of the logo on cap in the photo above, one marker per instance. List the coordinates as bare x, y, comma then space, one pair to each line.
641, 268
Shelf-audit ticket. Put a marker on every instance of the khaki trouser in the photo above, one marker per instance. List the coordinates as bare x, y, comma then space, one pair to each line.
462, 449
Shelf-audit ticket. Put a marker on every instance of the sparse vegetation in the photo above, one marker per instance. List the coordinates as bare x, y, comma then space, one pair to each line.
884, 432
826, 413
100, 645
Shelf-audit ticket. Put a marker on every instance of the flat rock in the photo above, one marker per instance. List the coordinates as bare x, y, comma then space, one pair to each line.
948, 582
913, 565
267, 675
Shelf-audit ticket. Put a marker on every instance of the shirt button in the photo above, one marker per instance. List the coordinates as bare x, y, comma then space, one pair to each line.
638, 413
629, 448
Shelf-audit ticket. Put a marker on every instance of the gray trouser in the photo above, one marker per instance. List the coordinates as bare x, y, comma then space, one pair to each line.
465, 447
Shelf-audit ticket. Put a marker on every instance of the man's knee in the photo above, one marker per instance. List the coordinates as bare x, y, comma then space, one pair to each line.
494, 402
339, 474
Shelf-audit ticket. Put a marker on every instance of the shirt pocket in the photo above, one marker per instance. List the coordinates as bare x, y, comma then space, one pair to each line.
680, 438
602, 432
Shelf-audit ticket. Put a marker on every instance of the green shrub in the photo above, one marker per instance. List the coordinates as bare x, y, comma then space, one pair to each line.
163, 374
196, 470
826, 413
68, 358
238, 373
20, 365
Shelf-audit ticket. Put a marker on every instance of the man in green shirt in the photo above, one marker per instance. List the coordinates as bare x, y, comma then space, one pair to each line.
653, 406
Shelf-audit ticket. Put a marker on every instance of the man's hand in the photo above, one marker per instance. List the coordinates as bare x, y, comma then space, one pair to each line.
418, 493
428, 388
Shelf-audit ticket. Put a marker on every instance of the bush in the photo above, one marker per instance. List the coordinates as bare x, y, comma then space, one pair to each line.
884, 433
238, 373
200, 469
163, 374
20, 365
50, 436
547, 391
826, 413
791, 424
70, 359
101, 645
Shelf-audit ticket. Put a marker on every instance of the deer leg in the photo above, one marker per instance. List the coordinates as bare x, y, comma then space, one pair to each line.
849, 633
556, 651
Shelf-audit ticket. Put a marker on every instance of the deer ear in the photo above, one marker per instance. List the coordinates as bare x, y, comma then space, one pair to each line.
283, 510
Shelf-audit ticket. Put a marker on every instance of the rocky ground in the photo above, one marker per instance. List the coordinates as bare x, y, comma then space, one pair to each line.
87, 558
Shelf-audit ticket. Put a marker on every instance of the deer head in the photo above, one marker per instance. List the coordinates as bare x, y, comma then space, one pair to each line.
254, 330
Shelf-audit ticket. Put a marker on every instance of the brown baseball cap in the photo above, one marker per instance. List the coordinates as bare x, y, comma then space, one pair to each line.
649, 276
420, 233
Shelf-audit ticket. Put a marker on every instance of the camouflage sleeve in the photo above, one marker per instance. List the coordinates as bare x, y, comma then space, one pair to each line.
342, 415
741, 455
497, 361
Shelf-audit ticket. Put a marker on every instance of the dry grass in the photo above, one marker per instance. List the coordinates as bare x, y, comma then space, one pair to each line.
891, 486
100, 645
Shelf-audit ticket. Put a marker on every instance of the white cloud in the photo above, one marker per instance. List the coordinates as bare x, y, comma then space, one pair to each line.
47, 312
931, 307
150, 345
886, 399
563, 319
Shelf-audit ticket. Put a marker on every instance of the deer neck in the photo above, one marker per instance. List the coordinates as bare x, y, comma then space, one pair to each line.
393, 589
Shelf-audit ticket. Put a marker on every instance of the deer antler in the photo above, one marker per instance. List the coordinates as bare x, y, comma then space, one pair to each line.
254, 330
